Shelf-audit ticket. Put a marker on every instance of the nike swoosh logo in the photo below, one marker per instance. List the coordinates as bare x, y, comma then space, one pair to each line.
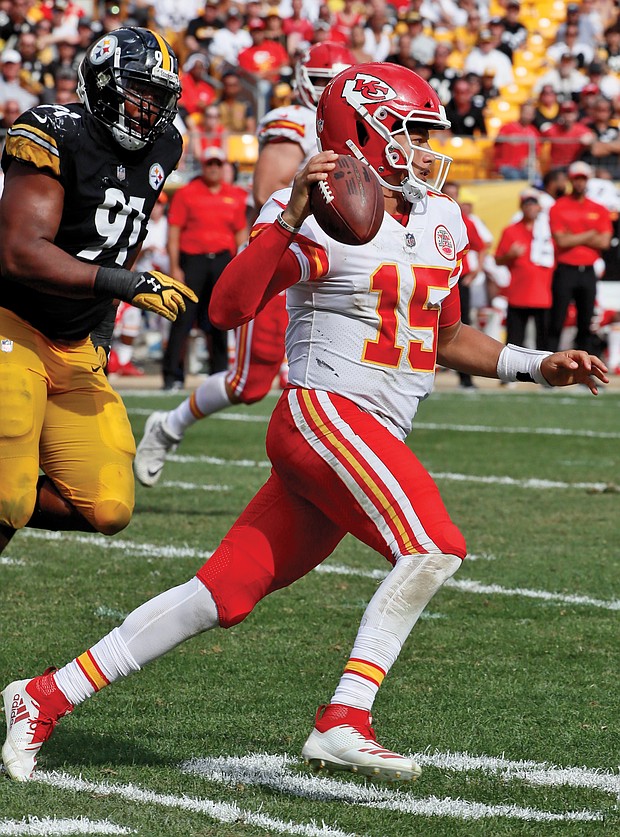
96, 368
42, 119
154, 471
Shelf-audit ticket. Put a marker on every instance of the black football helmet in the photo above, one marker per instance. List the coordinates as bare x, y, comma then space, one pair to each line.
129, 81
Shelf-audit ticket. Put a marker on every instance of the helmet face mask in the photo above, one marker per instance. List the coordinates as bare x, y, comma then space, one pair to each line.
369, 112
129, 82
317, 67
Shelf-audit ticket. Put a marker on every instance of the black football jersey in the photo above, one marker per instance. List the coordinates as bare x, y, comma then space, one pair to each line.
109, 196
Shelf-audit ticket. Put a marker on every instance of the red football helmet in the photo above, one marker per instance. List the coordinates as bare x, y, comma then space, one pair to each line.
367, 112
317, 67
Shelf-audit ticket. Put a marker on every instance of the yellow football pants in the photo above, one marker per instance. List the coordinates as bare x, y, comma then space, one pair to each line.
59, 413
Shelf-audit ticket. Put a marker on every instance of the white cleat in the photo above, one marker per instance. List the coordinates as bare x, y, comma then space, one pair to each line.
343, 739
155, 445
28, 723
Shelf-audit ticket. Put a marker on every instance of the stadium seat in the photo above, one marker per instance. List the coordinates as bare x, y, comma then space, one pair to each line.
501, 110
243, 150
466, 157
515, 94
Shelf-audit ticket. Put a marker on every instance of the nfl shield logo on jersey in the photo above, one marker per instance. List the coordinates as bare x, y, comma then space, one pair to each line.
6, 345
410, 239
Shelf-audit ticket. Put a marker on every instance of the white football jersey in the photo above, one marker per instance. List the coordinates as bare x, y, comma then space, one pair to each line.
295, 123
363, 320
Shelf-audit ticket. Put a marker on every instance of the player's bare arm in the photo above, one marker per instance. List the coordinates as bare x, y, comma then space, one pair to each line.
275, 169
30, 214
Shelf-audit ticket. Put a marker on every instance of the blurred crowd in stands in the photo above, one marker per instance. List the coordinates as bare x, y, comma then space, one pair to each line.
530, 86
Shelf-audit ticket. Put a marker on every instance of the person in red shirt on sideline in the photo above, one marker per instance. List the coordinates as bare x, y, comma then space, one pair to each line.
206, 226
568, 137
516, 145
581, 229
526, 249
265, 58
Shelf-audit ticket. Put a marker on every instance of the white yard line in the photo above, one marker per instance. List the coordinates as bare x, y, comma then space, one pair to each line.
275, 772
431, 425
463, 586
469, 586
50, 827
217, 811
192, 486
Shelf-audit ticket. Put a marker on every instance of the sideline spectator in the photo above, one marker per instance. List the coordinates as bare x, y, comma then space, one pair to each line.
197, 94
377, 33
236, 113
299, 30
610, 52
19, 18
515, 33
581, 230
228, 42
526, 249
265, 58
547, 108
198, 254
10, 86
357, 45
607, 83
64, 91
582, 52
351, 14
466, 120
208, 133
201, 30
586, 18
402, 56
568, 138
486, 57
442, 75
565, 79
515, 153
604, 151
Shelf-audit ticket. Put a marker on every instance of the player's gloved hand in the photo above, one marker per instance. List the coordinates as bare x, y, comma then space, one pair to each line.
149, 290
101, 336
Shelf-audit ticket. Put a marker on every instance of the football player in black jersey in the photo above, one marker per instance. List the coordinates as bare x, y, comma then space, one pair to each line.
80, 183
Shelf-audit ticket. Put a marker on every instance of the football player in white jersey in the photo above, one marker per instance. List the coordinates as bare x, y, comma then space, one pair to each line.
287, 140
367, 325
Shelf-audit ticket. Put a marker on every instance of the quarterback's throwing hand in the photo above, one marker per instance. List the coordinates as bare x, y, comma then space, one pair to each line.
149, 290
574, 367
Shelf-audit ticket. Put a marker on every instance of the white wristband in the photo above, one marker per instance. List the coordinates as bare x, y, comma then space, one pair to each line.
287, 227
518, 364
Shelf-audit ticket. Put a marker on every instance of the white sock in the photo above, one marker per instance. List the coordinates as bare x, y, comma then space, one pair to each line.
613, 347
387, 622
210, 397
124, 353
148, 632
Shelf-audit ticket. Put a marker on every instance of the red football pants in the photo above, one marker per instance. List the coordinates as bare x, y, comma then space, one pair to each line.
336, 469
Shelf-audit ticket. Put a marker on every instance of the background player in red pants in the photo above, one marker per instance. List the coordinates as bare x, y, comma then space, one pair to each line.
287, 137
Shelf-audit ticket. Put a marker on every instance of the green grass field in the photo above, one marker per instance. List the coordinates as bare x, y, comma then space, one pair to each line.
507, 689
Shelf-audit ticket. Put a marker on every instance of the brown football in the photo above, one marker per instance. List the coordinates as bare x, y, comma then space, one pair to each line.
348, 206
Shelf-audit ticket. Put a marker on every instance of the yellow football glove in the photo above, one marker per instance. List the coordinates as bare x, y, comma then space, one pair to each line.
149, 290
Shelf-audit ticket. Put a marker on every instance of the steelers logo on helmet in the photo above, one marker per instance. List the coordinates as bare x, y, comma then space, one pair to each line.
372, 111
129, 81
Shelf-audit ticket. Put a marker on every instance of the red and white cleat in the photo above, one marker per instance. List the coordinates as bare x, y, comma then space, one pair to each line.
129, 370
32, 709
343, 739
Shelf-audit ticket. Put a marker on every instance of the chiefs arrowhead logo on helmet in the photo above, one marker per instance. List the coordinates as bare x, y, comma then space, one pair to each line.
365, 88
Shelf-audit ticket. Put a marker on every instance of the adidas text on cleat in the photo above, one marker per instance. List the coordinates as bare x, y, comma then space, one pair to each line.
32, 708
343, 739
156, 443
